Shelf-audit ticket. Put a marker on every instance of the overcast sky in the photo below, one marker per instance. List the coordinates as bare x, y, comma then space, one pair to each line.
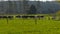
7, 0
42, 0
30, 0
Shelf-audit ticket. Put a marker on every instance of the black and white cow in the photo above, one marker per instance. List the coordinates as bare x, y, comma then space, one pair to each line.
18, 16
31, 16
40, 17
10, 17
24, 16
4, 16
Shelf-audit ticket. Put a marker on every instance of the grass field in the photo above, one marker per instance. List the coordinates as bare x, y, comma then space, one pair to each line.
29, 26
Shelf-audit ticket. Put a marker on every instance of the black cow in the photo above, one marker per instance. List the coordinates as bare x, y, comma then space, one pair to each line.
18, 16
40, 17
1, 17
10, 17
24, 16
31, 16
4, 16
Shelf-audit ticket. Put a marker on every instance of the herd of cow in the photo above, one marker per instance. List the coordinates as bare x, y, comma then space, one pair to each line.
21, 17
11, 17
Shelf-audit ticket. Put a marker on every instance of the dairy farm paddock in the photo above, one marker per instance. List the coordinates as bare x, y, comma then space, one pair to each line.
29, 17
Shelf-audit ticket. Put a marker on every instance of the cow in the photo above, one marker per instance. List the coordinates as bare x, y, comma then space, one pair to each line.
40, 17
4, 17
24, 16
31, 16
1, 17
18, 16
54, 17
10, 17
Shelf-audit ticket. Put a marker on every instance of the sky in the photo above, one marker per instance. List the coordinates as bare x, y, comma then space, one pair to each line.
42, 0
7, 0
32, 0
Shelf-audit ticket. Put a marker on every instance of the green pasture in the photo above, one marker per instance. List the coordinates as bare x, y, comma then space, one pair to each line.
29, 26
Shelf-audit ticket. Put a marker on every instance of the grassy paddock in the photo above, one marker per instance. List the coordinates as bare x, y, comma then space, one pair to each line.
29, 26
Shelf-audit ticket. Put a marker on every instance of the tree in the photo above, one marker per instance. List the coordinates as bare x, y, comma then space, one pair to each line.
58, 12
32, 10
